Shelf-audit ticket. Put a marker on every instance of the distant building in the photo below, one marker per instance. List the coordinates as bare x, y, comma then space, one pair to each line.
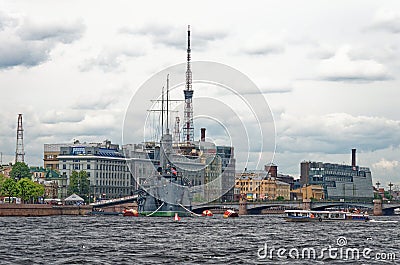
55, 185
228, 168
50, 155
6, 170
105, 165
308, 192
256, 185
37, 173
348, 182
272, 171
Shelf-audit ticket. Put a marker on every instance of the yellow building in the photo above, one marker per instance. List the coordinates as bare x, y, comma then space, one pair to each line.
255, 185
309, 192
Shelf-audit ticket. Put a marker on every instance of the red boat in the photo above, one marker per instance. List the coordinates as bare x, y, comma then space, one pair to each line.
230, 213
130, 212
207, 213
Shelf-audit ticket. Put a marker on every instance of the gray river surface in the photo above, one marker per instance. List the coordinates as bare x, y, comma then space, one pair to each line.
214, 240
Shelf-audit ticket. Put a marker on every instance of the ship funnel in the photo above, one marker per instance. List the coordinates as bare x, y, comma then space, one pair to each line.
203, 134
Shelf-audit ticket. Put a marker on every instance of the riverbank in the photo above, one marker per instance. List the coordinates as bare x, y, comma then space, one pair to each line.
43, 209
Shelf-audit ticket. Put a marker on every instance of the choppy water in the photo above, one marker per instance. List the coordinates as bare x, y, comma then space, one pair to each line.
129, 240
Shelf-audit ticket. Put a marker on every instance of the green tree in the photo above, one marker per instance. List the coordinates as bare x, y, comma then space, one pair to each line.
28, 190
9, 188
2, 179
79, 184
280, 198
388, 195
20, 170
37, 191
24, 187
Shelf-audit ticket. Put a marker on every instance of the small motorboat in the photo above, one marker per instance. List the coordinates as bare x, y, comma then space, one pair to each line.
230, 213
206, 213
130, 212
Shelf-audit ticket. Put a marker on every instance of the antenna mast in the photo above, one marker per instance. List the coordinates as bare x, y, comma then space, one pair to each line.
19, 150
188, 130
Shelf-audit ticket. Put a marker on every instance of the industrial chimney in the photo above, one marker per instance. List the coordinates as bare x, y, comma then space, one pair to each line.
353, 157
203, 134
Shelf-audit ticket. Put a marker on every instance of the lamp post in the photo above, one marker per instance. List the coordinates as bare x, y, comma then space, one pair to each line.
390, 187
378, 184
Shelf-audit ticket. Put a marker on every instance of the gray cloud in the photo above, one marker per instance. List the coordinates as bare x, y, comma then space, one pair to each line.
343, 68
175, 37
54, 117
321, 53
110, 59
88, 103
276, 89
386, 21
31, 44
264, 49
336, 133
6, 21
59, 32
14, 52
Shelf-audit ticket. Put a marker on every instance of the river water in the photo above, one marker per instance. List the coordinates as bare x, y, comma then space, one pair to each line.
244, 240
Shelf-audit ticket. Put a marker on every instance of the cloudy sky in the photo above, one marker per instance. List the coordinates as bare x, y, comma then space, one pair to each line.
329, 70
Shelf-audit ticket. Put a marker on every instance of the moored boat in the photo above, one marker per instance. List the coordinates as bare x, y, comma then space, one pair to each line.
130, 212
207, 213
230, 213
323, 216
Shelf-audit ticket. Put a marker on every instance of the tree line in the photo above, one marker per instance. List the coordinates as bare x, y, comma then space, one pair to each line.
20, 185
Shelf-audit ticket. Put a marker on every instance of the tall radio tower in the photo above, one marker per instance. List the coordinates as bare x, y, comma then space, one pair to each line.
19, 150
188, 130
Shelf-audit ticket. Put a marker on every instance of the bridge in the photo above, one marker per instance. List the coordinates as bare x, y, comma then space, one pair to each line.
258, 207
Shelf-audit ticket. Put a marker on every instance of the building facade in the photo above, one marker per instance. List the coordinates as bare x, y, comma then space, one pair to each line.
50, 155
105, 165
315, 192
256, 185
228, 170
340, 182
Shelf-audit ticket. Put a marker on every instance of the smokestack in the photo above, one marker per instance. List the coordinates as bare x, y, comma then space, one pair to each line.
203, 134
353, 157
272, 169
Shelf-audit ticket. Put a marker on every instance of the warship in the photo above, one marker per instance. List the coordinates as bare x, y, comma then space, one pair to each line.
167, 192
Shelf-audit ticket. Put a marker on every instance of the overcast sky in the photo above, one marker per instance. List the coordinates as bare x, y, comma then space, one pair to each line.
329, 70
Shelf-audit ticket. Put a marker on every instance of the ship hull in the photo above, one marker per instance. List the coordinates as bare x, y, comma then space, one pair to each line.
166, 214
170, 199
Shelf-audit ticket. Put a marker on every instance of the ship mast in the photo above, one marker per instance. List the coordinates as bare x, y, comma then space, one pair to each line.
166, 138
167, 104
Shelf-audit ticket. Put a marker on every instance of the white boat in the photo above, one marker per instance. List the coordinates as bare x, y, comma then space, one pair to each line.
323, 216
